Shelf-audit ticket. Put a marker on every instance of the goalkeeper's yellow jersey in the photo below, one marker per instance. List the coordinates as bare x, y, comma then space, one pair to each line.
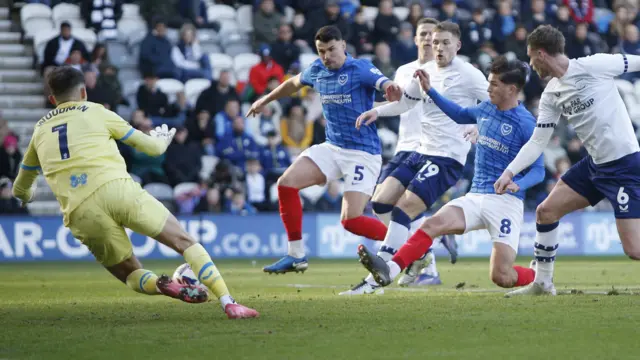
74, 146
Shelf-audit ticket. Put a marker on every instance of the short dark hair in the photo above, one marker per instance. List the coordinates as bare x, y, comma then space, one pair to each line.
427, 20
512, 72
448, 26
63, 80
328, 33
547, 38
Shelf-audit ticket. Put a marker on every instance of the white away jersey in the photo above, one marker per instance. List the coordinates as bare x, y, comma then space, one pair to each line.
588, 97
463, 84
409, 133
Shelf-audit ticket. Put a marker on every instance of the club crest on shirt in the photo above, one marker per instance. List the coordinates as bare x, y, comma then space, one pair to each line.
506, 129
342, 79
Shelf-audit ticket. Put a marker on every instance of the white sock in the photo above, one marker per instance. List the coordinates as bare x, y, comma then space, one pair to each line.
545, 249
431, 268
226, 299
394, 269
415, 226
296, 249
396, 236
370, 280
385, 218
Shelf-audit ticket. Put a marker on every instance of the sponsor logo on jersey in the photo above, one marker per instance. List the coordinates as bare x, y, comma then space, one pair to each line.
78, 180
336, 99
493, 144
576, 106
342, 79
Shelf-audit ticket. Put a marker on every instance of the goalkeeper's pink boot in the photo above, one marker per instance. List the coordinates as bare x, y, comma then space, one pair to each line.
237, 311
182, 291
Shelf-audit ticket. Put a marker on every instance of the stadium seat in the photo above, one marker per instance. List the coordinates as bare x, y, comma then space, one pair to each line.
307, 59
193, 88
130, 11
35, 17
369, 57
173, 35
236, 49
207, 35
66, 11
289, 14
463, 15
160, 191
129, 28
209, 163
129, 76
210, 48
245, 61
219, 62
243, 75
136, 178
401, 12
40, 40
171, 87
370, 14
87, 36
228, 39
219, 12
120, 56
229, 26
184, 188
244, 16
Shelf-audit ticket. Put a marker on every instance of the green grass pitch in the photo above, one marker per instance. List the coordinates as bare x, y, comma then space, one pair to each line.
78, 311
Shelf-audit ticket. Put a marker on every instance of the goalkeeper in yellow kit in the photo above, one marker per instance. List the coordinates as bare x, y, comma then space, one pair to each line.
74, 147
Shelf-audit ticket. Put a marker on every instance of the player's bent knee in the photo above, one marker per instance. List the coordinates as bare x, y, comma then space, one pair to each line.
286, 181
434, 226
545, 214
502, 278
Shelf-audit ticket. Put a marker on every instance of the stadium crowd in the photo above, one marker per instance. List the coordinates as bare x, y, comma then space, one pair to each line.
234, 160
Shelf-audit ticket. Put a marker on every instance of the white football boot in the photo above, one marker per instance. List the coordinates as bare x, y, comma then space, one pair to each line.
412, 271
533, 289
364, 288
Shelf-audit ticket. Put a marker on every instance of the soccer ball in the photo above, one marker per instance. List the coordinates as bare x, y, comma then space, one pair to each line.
186, 275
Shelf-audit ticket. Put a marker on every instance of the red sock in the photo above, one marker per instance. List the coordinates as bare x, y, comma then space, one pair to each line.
525, 275
366, 226
291, 211
416, 246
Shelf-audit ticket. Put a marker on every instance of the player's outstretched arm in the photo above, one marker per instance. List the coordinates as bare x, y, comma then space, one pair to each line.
454, 111
23, 189
534, 176
410, 97
154, 144
285, 89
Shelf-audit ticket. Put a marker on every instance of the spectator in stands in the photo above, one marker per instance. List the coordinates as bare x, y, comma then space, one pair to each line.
485, 56
331, 200
404, 48
155, 53
155, 103
224, 119
504, 24
383, 60
274, 157
98, 93
210, 202
360, 34
166, 9
537, 15
148, 168
102, 17
260, 73
386, 25
188, 198
315, 19
10, 157
266, 22
294, 69
575, 150
188, 56
297, 132
266, 122
9, 204
579, 45
201, 130
449, 12
416, 12
239, 205
319, 131
581, 11
182, 163
75, 60
283, 51
517, 43
58, 49
99, 56
214, 98
238, 146
618, 24
256, 185
108, 79
195, 12
563, 21
630, 42
476, 32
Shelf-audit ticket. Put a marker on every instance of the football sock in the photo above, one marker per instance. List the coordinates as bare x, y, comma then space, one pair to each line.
366, 226
296, 249
205, 270
143, 281
545, 249
291, 211
396, 235
382, 211
525, 275
417, 245
431, 268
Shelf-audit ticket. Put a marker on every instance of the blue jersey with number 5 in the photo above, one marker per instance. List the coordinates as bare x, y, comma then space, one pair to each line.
346, 93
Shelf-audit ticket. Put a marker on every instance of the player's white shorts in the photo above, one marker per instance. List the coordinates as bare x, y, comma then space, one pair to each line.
359, 169
501, 215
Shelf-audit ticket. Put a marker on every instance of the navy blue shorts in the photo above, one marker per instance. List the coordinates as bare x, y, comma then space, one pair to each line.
618, 181
393, 164
428, 176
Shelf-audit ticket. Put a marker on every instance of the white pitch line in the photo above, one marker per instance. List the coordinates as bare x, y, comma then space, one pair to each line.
626, 291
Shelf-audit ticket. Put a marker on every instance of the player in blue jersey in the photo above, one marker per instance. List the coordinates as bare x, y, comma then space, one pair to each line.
347, 87
505, 126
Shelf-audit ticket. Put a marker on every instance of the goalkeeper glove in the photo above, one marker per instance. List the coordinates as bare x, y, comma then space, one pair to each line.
163, 133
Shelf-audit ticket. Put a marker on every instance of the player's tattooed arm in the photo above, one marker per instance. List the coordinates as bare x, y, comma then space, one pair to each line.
285, 89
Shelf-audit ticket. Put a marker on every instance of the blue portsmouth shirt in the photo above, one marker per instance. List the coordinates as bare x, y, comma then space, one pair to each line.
502, 135
346, 93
